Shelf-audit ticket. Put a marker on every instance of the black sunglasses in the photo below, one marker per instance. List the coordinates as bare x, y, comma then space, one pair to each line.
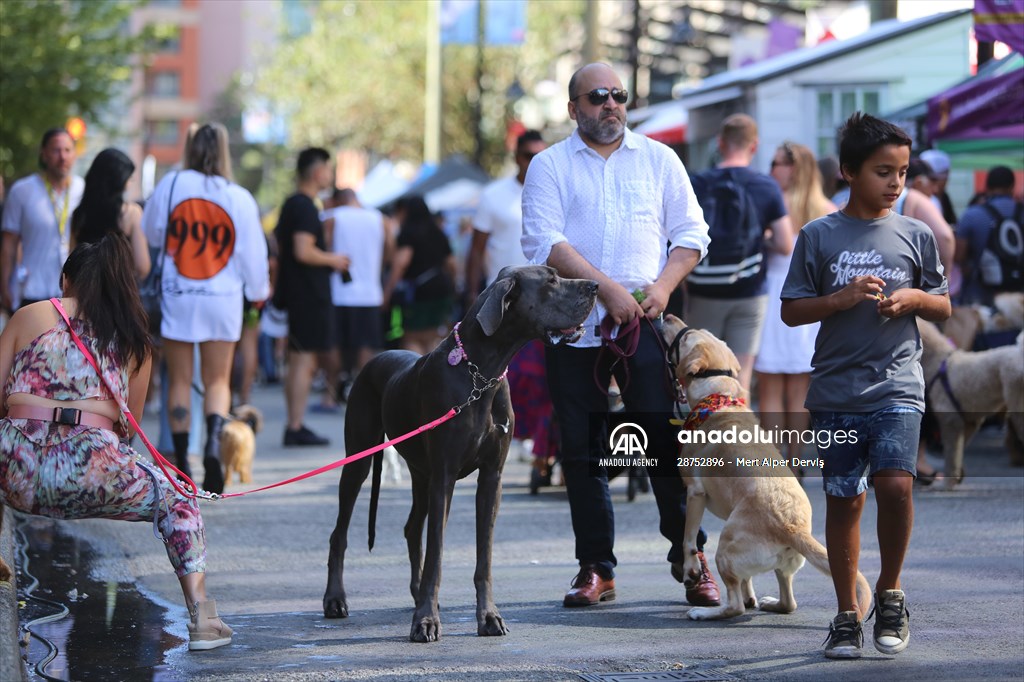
598, 96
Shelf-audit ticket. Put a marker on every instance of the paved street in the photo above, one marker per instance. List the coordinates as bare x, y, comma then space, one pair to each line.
964, 578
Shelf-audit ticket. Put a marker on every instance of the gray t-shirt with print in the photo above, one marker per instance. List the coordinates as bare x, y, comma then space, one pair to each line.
864, 361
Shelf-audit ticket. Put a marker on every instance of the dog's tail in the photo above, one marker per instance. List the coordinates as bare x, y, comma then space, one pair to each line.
817, 556
378, 464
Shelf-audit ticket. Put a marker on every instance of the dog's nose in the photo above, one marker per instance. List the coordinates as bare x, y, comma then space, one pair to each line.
592, 288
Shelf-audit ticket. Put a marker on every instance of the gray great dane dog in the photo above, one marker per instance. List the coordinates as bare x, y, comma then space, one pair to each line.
399, 391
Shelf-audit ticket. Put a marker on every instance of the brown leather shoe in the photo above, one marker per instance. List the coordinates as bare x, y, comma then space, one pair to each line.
705, 591
589, 588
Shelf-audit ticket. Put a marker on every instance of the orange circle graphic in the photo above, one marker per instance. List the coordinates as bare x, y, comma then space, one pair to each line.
200, 238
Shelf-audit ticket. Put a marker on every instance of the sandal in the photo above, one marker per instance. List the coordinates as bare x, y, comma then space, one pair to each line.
928, 478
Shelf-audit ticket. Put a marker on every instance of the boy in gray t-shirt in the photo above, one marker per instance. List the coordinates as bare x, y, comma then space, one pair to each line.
866, 273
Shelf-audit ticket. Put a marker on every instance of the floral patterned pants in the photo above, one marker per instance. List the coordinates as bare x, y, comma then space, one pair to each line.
79, 472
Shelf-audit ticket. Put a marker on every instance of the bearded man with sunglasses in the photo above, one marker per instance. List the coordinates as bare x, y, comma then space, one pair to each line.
616, 207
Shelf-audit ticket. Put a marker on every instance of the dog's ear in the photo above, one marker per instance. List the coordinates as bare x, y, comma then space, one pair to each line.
494, 306
697, 359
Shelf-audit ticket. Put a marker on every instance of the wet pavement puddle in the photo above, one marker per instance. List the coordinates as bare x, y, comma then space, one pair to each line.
112, 631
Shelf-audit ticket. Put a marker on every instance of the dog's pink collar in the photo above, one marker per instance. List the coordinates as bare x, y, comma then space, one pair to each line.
458, 354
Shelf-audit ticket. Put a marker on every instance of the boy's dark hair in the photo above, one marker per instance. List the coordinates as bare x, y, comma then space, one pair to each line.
528, 137
862, 135
309, 158
1000, 178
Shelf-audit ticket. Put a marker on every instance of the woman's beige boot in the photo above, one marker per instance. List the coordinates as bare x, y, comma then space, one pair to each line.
207, 630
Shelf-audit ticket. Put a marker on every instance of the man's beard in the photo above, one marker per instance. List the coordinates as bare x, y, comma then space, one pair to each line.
601, 131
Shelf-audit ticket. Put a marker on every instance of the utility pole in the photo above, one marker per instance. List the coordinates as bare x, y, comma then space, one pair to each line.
634, 55
882, 9
591, 25
478, 109
432, 105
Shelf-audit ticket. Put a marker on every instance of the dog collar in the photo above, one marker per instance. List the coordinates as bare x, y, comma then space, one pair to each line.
458, 354
708, 406
708, 373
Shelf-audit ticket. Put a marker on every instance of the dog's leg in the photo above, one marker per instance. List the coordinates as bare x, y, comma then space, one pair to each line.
728, 561
426, 619
786, 603
749, 598
696, 499
352, 477
953, 448
414, 532
488, 496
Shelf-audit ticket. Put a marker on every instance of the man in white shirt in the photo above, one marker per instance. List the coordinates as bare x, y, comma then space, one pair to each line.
37, 217
604, 204
498, 223
357, 295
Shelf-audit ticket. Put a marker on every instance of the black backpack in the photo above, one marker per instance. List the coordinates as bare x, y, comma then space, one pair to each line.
735, 260
1001, 264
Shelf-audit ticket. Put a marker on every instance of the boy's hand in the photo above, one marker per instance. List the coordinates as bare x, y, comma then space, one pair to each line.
862, 288
902, 302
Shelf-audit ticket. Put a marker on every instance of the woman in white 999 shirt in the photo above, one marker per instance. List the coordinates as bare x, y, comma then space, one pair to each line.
214, 252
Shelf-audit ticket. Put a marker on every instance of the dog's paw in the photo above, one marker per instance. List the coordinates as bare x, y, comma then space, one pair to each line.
5, 569
426, 629
491, 625
335, 607
704, 613
775, 606
752, 602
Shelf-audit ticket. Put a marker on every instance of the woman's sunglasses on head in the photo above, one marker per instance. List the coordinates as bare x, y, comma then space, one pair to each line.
598, 96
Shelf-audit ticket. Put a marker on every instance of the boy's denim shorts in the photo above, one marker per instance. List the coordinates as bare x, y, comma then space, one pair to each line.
886, 439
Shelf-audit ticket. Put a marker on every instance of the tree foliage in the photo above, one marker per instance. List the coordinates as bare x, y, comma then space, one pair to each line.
58, 58
356, 78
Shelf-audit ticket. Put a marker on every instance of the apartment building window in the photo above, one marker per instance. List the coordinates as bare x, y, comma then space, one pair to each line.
163, 132
834, 106
164, 84
167, 38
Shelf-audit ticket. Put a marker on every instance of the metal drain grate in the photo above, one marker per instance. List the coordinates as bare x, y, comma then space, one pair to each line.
707, 675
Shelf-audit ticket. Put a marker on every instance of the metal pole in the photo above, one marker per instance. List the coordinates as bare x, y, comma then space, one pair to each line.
478, 109
591, 45
432, 105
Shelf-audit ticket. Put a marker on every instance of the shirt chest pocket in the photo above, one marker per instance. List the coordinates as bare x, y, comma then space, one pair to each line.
640, 203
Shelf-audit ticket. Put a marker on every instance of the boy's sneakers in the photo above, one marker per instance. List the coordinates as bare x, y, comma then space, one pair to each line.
892, 621
845, 637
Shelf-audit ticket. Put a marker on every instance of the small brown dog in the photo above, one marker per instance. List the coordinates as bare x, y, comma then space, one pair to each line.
238, 442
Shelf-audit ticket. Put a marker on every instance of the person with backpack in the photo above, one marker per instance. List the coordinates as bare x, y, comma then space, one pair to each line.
746, 214
990, 241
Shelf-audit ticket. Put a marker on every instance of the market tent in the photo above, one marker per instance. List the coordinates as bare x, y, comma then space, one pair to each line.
384, 183
665, 122
980, 122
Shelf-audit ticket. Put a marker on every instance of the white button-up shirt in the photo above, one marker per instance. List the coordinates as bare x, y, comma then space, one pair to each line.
622, 215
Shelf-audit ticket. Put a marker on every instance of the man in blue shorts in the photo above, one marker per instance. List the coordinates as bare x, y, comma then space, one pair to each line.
866, 273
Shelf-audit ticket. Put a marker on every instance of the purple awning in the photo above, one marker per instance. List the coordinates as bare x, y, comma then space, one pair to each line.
981, 108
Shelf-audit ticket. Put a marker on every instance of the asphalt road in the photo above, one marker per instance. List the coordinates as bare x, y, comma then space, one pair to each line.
964, 577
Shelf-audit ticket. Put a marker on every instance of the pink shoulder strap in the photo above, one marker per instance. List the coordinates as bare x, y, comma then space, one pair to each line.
160, 460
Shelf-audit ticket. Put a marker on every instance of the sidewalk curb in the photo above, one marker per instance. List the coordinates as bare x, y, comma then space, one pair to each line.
10, 650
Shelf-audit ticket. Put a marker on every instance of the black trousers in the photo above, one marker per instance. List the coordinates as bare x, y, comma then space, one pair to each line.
576, 396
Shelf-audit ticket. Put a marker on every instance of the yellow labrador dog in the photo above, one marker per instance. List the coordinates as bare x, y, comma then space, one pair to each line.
767, 514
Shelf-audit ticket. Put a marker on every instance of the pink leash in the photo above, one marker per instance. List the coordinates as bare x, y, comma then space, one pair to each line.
164, 465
